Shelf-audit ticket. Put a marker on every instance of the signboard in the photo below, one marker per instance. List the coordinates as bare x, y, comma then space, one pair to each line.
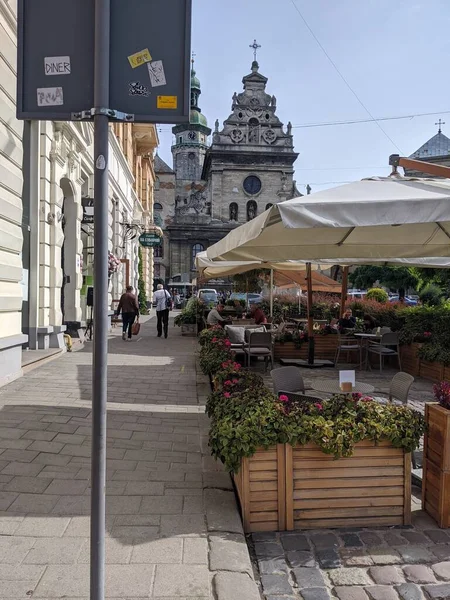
149, 64
88, 211
150, 239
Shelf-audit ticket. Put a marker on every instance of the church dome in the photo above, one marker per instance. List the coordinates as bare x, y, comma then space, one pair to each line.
195, 81
196, 118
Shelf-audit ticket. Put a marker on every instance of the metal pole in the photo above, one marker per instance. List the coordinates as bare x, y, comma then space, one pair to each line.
271, 292
100, 358
310, 315
343, 291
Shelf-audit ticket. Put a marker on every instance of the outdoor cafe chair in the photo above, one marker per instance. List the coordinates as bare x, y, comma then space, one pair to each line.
260, 344
347, 343
399, 388
385, 347
288, 379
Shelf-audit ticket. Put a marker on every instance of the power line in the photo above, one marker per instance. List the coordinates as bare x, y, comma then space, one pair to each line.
342, 76
356, 121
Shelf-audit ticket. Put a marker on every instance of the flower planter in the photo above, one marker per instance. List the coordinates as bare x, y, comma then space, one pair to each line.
287, 488
410, 360
325, 348
434, 371
189, 329
436, 468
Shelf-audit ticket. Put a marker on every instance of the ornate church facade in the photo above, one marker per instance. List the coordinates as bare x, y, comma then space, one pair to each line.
213, 188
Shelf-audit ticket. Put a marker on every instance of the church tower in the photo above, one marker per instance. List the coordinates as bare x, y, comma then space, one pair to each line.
250, 164
191, 141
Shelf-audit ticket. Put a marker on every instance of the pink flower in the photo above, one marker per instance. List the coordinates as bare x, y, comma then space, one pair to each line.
227, 395
427, 334
366, 399
283, 398
318, 406
237, 366
214, 339
235, 381
228, 382
227, 343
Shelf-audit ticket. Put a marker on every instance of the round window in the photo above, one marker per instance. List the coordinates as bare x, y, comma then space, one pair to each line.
252, 185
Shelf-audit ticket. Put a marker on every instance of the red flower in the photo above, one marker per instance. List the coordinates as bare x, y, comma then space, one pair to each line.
427, 334
318, 406
228, 382
227, 343
227, 395
283, 398
235, 381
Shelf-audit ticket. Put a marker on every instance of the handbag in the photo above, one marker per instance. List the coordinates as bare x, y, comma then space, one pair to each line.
168, 301
136, 327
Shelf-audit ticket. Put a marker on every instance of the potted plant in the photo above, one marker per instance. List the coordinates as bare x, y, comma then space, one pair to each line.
189, 318
338, 463
436, 455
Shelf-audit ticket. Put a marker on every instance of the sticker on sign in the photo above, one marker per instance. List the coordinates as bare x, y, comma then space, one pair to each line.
51, 96
156, 72
57, 65
139, 58
167, 102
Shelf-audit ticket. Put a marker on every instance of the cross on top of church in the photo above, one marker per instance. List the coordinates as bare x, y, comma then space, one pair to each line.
255, 46
440, 123
193, 58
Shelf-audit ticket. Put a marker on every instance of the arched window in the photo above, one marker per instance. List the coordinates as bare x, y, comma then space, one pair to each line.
269, 206
234, 211
157, 184
196, 248
252, 210
157, 206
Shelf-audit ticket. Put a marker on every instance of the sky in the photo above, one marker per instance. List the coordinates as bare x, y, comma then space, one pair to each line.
392, 54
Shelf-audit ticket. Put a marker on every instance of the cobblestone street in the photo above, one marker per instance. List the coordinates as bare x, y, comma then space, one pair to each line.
173, 529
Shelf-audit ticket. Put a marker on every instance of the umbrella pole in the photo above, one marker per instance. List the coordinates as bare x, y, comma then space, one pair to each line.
271, 293
310, 315
344, 291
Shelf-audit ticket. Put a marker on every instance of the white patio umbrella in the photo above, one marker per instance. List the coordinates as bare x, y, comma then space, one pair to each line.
376, 218
373, 218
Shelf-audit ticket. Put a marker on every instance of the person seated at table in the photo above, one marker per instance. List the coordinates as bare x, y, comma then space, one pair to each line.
257, 313
369, 323
348, 321
215, 318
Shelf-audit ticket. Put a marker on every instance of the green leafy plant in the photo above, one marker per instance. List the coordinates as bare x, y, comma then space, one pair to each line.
244, 421
431, 295
214, 354
377, 294
190, 313
141, 286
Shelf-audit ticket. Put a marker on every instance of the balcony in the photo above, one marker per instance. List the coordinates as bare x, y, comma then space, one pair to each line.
146, 138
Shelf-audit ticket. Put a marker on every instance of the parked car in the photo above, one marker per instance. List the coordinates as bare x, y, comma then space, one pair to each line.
208, 296
408, 301
250, 298
356, 294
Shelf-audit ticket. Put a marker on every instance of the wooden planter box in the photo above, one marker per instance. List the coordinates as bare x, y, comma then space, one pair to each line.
325, 348
287, 488
436, 468
188, 329
261, 487
412, 364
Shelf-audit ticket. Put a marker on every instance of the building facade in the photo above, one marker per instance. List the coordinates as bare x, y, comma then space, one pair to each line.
213, 188
13, 286
46, 217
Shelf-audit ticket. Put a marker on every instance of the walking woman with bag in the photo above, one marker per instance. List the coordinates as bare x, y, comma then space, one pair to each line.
129, 306
163, 306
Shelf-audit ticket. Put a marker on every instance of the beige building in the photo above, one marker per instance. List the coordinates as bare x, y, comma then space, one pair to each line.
46, 217
12, 291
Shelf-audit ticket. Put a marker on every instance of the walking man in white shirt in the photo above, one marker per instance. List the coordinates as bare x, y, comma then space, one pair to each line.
163, 306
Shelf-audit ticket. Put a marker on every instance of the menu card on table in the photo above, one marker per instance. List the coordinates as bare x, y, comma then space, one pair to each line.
347, 380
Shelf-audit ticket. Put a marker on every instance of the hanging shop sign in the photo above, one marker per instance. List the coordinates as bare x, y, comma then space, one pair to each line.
88, 211
150, 239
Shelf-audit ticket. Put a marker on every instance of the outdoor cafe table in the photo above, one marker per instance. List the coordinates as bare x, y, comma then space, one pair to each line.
333, 387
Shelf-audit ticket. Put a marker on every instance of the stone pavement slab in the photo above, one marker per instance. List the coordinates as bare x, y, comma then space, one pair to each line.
172, 528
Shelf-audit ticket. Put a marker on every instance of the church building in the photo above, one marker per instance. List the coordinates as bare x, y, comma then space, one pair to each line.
215, 187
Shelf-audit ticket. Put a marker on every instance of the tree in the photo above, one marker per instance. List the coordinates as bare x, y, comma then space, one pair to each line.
141, 286
394, 278
250, 281
439, 277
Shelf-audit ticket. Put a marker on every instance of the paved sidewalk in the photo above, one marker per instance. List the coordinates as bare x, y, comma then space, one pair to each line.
173, 529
